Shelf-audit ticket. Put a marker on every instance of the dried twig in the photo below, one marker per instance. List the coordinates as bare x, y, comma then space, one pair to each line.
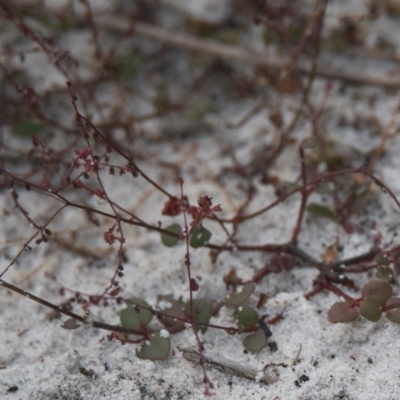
192, 43
227, 366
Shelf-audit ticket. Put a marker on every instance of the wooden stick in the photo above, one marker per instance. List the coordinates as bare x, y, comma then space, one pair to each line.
228, 366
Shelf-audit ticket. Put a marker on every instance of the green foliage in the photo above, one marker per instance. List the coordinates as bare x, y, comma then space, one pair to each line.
382, 259
127, 66
342, 312
135, 317
382, 291
202, 311
237, 299
321, 211
168, 240
25, 128
375, 294
247, 317
200, 236
255, 342
157, 348
170, 314
370, 308
385, 274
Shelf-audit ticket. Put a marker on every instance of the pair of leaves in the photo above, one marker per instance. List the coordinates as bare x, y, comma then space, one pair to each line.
375, 294
200, 236
135, 317
384, 272
247, 318
202, 311
176, 315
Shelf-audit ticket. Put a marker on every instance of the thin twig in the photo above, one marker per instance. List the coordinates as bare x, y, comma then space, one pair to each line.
192, 43
227, 366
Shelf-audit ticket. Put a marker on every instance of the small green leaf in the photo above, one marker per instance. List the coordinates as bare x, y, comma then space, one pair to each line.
170, 314
342, 312
381, 290
25, 128
128, 66
255, 342
134, 317
202, 310
247, 317
382, 259
200, 236
370, 309
385, 274
237, 299
66, 24
168, 240
321, 211
158, 347
325, 187
393, 315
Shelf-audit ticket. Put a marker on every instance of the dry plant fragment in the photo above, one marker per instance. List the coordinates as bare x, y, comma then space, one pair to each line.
227, 366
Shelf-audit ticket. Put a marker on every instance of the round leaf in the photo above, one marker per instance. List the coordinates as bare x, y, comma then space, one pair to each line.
200, 236
247, 316
370, 308
202, 310
170, 314
255, 342
236, 299
382, 259
381, 290
134, 317
157, 349
168, 240
385, 274
342, 312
